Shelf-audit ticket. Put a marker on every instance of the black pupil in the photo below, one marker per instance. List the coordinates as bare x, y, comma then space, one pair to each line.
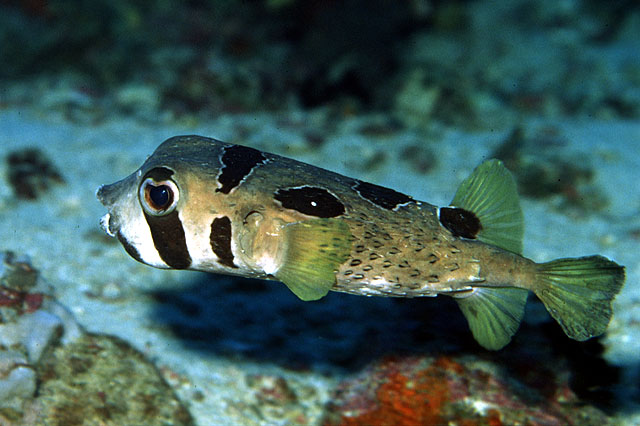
160, 196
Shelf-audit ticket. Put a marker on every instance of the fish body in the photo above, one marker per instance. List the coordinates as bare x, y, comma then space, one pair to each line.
201, 204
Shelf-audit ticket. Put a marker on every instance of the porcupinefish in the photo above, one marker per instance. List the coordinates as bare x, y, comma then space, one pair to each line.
201, 204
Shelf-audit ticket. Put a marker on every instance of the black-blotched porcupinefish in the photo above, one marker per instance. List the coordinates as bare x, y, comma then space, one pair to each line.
201, 204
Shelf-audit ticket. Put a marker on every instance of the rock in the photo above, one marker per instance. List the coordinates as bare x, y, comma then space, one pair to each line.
52, 372
457, 390
101, 379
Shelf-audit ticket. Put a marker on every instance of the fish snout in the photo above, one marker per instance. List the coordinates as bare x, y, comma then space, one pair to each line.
108, 194
115, 197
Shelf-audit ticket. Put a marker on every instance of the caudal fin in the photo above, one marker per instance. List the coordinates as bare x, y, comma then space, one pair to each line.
578, 293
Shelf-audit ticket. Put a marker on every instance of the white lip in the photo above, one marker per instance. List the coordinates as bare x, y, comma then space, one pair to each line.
104, 223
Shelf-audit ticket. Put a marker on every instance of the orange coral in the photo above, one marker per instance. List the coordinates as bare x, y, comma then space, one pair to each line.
405, 401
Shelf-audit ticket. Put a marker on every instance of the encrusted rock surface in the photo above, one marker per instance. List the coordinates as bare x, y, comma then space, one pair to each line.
52, 372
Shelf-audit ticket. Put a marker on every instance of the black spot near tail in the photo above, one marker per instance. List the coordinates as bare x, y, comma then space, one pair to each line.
461, 222
220, 238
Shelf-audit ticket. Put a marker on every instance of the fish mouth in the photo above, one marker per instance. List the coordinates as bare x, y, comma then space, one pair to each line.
104, 194
112, 196
104, 224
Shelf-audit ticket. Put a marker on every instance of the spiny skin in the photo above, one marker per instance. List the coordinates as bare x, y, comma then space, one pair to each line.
402, 251
409, 254
201, 204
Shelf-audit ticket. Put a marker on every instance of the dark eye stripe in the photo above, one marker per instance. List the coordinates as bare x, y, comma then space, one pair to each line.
461, 222
220, 238
169, 240
133, 252
237, 161
158, 174
310, 200
381, 196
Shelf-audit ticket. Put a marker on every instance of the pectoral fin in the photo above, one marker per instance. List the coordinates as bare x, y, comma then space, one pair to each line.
315, 250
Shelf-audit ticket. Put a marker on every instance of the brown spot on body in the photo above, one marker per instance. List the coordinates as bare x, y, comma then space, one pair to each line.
460, 222
311, 201
220, 239
379, 195
238, 161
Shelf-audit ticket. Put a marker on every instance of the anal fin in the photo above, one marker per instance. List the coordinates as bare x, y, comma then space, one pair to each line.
315, 249
493, 314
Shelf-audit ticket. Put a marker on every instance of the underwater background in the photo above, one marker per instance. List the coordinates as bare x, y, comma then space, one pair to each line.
411, 95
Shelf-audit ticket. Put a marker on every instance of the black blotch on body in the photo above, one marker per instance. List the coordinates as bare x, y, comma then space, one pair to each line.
310, 200
379, 195
169, 240
237, 161
31, 173
461, 222
220, 238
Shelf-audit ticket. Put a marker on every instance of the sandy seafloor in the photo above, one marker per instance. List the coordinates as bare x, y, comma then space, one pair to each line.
245, 332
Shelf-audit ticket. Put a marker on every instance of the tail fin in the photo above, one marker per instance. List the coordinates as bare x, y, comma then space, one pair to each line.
578, 293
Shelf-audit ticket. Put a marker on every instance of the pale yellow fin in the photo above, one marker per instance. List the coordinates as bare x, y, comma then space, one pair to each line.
491, 194
578, 293
315, 250
493, 314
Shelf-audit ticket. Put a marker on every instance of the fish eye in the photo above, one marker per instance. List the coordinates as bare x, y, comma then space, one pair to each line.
158, 198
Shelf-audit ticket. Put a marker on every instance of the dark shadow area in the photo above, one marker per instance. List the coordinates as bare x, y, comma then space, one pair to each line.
542, 358
263, 321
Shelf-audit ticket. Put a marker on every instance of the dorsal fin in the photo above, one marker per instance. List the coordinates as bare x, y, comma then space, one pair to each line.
488, 196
